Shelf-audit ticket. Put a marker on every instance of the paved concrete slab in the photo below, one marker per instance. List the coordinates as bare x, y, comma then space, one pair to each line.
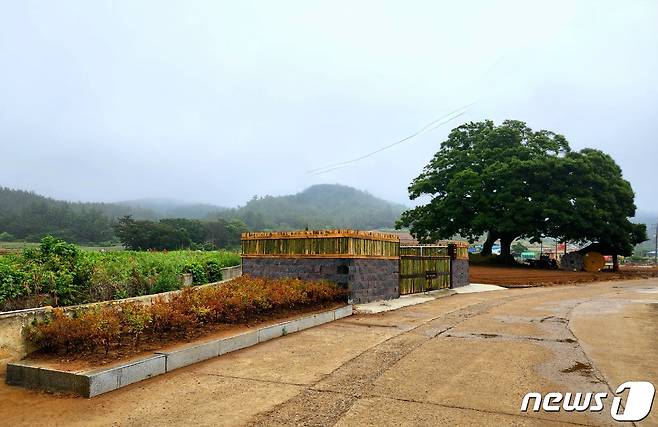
292, 360
625, 346
377, 411
479, 373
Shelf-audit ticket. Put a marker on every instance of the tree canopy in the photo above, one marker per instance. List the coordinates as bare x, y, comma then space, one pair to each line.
178, 233
509, 181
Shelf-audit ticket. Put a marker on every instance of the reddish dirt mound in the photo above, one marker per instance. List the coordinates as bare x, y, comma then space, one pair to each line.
525, 276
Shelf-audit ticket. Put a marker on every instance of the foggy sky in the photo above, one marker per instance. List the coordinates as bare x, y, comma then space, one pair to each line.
215, 102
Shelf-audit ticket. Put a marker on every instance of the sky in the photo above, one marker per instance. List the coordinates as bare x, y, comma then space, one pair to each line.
218, 101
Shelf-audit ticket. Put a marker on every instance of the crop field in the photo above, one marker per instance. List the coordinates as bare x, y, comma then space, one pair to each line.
57, 273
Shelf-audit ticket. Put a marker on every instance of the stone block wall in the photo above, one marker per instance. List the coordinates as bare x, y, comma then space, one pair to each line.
367, 279
374, 279
459, 272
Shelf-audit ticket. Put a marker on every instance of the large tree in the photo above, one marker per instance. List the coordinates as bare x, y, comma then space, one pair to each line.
596, 205
509, 181
485, 179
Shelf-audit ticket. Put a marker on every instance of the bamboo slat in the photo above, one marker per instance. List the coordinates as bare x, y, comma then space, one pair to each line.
370, 235
322, 244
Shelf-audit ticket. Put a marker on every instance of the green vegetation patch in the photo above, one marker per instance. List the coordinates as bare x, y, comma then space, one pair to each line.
58, 273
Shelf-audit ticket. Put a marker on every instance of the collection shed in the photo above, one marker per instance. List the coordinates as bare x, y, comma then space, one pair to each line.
365, 262
371, 265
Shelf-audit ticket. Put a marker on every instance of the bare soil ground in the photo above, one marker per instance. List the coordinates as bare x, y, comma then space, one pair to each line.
525, 276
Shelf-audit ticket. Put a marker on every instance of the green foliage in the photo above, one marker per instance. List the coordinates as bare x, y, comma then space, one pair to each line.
12, 281
67, 275
224, 233
178, 233
596, 203
142, 235
213, 270
518, 248
198, 272
240, 301
509, 181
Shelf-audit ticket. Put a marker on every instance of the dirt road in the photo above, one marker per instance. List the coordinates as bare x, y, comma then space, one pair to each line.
526, 276
460, 360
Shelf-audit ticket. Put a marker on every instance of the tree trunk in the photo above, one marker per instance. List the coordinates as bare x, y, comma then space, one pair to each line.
615, 262
506, 249
488, 244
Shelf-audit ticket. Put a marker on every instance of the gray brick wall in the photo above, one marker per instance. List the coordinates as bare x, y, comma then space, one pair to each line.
374, 279
367, 279
459, 272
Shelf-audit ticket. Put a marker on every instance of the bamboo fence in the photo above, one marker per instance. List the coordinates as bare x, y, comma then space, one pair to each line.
321, 244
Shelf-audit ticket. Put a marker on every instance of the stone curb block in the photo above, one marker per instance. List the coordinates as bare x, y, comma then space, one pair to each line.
102, 381
270, 332
238, 342
187, 356
343, 312
89, 384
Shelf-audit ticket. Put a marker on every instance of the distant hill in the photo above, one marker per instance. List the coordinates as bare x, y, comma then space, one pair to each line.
318, 207
29, 216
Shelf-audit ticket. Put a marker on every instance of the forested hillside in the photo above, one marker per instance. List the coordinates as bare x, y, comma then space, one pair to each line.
28, 216
318, 207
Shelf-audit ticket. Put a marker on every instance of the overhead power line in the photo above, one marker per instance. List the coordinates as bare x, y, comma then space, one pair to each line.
427, 128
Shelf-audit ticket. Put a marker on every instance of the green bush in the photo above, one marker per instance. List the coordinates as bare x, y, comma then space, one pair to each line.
213, 270
68, 275
197, 271
11, 282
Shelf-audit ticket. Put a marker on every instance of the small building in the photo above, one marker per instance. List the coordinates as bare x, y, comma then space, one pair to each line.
366, 263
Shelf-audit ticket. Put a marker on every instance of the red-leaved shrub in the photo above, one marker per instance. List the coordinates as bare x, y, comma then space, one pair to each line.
119, 326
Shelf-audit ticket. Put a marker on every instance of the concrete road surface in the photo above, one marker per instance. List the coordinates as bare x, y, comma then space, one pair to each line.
460, 360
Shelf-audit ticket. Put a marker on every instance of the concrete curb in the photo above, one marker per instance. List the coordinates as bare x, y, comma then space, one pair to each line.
90, 383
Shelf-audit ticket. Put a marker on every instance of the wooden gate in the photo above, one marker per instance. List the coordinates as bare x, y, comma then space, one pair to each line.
424, 268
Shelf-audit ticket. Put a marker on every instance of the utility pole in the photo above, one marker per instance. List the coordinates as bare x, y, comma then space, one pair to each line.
655, 247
